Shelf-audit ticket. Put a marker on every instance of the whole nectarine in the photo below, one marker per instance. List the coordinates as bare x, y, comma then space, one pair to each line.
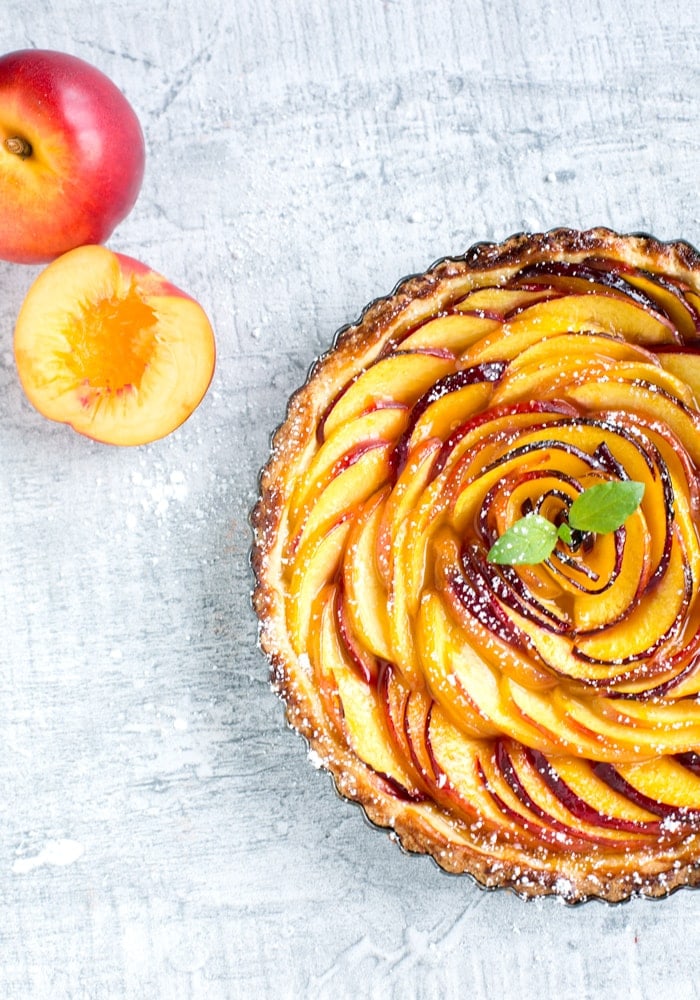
112, 348
72, 155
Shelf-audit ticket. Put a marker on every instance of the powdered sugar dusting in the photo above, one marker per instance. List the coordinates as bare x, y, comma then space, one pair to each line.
55, 852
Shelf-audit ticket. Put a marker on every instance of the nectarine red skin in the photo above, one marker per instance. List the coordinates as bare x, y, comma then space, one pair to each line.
72, 155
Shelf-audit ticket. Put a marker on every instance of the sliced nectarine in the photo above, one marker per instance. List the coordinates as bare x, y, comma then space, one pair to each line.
686, 365
669, 298
399, 378
528, 778
453, 333
324, 651
366, 597
450, 411
112, 348
571, 314
316, 563
584, 785
366, 727
499, 301
645, 400
664, 780
355, 480
337, 452
403, 499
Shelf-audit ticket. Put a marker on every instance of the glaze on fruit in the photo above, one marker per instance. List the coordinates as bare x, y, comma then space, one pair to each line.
535, 725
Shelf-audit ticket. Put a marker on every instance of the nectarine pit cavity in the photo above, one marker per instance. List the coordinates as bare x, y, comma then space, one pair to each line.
112, 342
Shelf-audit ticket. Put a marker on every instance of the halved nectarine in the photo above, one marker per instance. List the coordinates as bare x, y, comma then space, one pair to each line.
112, 348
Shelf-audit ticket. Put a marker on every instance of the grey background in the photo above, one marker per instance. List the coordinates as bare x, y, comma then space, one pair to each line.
162, 833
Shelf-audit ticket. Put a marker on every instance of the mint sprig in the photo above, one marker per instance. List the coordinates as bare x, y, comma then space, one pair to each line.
529, 540
601, 509
605, 507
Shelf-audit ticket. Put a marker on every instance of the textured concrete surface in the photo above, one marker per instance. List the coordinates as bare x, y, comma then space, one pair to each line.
162, 833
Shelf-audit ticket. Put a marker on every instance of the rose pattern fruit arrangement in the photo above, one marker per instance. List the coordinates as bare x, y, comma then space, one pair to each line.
532, 721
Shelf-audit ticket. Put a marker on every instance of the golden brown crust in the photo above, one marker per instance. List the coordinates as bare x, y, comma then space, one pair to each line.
454, 844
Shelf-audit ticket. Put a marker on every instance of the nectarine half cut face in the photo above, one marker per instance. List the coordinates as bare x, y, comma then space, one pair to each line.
113, 349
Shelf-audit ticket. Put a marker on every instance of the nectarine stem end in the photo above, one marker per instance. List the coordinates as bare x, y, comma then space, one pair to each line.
19, 146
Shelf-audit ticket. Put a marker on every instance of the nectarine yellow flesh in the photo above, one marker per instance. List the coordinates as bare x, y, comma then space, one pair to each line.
112, 349
686, 366
668, 300
664, 781
401, 635
415, 722
573, 314
316, 564
530, 382
621, 732
569, 826
499, 300
366, 726
560, 284
585, 784
453, 333
400, 378
380, 425
556, 720
450, 411
609, 603
498, 803
474, 436
456, 759
404, 496
616, 316
582, 347
627, 397
324, 651
366, 596
354, 484
111, 342
395, 695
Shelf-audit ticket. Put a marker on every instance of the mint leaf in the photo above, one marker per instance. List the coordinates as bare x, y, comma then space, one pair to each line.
605, 507
565, 533
529, 540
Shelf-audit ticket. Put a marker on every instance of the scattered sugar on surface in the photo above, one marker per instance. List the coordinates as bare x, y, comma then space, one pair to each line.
315, 759
564, 887
55, 852
154, 494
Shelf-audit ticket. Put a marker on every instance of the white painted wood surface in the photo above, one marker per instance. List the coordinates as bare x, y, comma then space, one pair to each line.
163, 834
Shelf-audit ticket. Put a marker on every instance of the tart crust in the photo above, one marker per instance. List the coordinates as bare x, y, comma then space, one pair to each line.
420, 823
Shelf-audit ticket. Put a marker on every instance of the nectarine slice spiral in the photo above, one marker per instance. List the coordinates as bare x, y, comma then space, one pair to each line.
537, 726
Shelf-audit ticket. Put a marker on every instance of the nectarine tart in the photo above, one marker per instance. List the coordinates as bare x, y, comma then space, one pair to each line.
477, 564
